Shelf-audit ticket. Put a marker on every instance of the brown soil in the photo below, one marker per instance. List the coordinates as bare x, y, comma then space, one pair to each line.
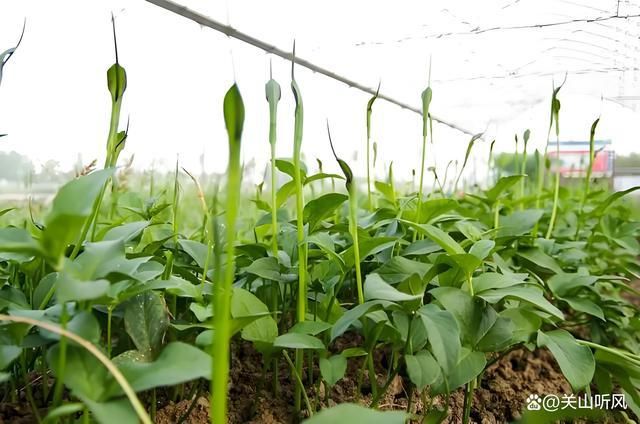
499, 397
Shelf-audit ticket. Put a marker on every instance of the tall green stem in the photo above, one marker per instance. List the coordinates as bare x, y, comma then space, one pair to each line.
273, 93
353, 229
427, 94
234, 120
369, 111
302, 247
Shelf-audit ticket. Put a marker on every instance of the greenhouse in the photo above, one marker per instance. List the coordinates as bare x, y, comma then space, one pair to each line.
347, 212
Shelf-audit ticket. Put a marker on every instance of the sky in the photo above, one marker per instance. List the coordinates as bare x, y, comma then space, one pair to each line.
488, 74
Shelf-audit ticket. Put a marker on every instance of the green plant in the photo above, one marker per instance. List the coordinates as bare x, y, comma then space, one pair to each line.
234, 120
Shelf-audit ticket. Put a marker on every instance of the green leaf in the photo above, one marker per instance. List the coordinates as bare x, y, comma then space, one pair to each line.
499, 336
353, 315
482, 248
400, 268
539, 258
126, 232
529, 294
8, 354
502, 186
195, 249
473, 315
602, 207
286, 166
322, 207
519, 223
422, 368
493, 280
526, 323
62, 411
298, 341
576, 361
470, 366
368, 246
84, 375
431, 210
69, 288
333, 368
310, 327
443, 239
17, 244
84, 324
443, 335
146, 320
71, 206
352, 413
267, 268
375, 288
177, 363
563, 283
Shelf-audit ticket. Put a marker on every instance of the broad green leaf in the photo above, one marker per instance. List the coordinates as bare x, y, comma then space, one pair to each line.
146, 320
71, 206
368, 246
526, 323
322, 207
286, 166
17, 244
431, 210
470, 365
352, 413
298, 341
333, 368
602, 207
195, 249
400, 268
502, 186
482, 248
115, 411
576, 361
375, 288
564, 283
310, 327
493, 280
353, 315
84, 324
423, 370
529, 294
267, 268
473, 315
126, 232
84, 375
12, 299
443, 335
499, 336
62, 411
103, 258
467, 262
443, 239
539, 258
519, 223
177, 363
8, 354
69, 288
587, 306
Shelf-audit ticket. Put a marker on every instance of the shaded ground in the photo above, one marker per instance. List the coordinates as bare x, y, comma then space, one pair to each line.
499, 397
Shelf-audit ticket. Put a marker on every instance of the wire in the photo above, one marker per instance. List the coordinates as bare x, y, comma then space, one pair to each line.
269, 48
